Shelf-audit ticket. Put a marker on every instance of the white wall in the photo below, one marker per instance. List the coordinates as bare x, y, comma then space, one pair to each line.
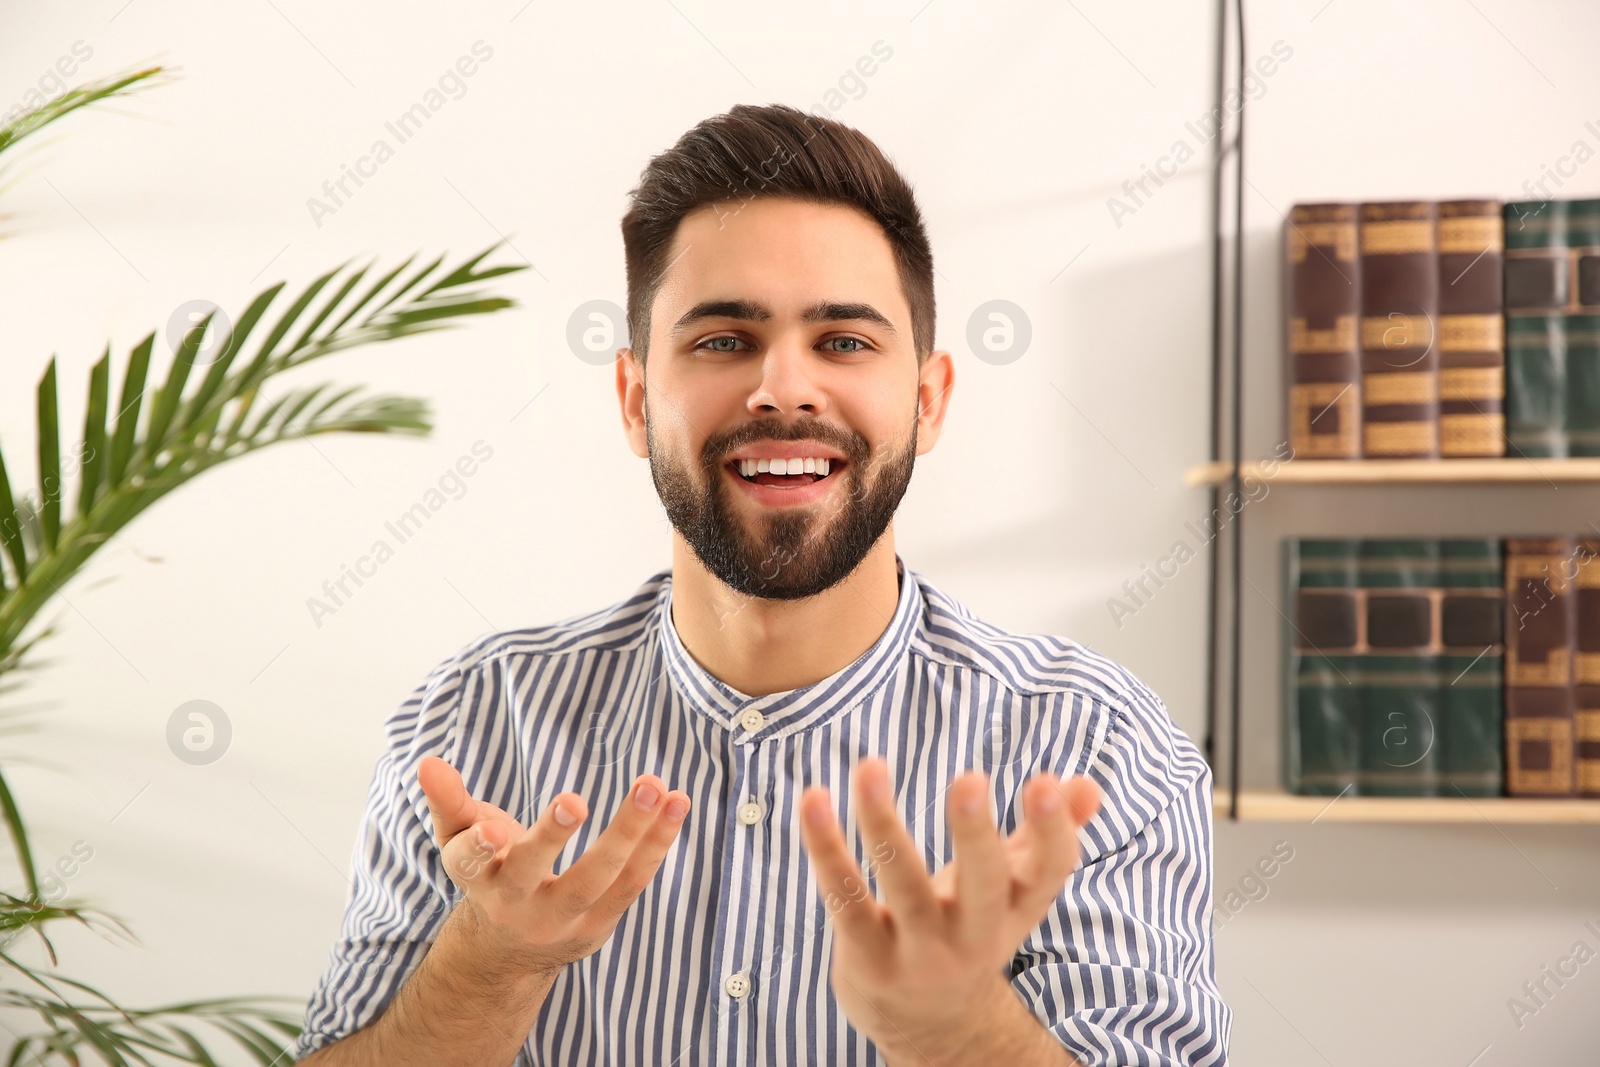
1058, 477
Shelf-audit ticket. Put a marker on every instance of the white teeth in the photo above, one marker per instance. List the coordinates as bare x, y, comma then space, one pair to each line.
809, 464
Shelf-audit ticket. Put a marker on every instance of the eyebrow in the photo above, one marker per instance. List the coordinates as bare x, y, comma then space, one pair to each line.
755, 311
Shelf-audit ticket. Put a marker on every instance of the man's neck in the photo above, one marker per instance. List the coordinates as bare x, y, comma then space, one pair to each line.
762, 646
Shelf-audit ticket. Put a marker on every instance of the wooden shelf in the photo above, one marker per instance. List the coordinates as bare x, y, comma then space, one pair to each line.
1404, 471
1257, 806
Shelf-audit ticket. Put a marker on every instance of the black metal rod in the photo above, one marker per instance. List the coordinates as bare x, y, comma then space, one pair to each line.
1214, 550
1238, 407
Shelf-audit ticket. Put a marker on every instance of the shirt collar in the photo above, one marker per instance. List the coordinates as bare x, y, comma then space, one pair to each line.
760, 718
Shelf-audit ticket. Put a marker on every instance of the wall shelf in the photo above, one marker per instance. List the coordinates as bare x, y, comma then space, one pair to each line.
1404, 471
1259, 806
1225, 637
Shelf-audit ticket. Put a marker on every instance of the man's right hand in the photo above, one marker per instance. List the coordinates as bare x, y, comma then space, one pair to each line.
526, 919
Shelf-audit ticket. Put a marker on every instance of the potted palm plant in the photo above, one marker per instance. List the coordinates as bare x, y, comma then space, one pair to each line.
142, 440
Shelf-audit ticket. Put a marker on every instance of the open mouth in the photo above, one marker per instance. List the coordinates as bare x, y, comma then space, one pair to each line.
786, 474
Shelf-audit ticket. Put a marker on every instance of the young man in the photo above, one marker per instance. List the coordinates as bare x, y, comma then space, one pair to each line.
770, 778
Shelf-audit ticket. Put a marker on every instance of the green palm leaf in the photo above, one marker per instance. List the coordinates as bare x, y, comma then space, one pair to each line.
133, 457
31, 122
159, 442
201, 414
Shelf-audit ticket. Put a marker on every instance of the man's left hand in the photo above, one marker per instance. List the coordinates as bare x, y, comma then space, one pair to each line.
924, 971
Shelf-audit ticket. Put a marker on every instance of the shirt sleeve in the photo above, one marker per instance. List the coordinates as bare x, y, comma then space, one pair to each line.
1121, 971
400, 894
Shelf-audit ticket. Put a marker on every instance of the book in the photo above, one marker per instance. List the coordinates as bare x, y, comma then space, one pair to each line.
1398, 676
1539, 652
1586, 671
1394, 667
1581, 325
1537, 293
1471, 240
1471, 661
1399, 349
1322, 753
1324, 309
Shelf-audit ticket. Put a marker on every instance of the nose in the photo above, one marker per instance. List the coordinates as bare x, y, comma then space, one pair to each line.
789, 381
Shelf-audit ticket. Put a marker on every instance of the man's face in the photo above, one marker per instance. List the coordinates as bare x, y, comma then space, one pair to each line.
781, 332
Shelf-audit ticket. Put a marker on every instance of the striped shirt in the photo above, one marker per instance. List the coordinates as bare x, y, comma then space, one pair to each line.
723, 959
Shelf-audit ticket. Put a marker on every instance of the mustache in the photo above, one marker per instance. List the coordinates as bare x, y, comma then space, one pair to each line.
717, 449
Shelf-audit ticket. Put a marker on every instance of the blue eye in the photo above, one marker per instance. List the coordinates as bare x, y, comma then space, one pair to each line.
858, 342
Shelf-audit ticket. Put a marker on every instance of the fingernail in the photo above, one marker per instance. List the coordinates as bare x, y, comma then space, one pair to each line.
1049, 800
647, 797
876, 790
972, 804
677, 810
565, 817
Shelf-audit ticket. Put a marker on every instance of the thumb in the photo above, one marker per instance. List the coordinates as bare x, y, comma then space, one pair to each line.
448, 802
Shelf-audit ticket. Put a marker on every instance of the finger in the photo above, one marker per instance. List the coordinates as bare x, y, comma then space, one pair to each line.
532, 853
581, 884
855, 912
907, 888
642, 866
452, 808
470, 857
1083, 799
983, 877
1049, 812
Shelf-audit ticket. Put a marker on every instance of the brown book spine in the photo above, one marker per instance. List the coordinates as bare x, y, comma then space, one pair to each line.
1323, 342
1472, 345
1399, 332
1541, 620
1586, 670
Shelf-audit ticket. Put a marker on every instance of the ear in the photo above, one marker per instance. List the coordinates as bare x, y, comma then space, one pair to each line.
933, 397
630, 395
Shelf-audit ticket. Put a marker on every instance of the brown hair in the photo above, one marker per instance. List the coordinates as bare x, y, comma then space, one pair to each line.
809, 157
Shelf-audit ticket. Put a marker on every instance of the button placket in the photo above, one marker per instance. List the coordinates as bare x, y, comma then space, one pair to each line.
745, 947
752, 811
728, 956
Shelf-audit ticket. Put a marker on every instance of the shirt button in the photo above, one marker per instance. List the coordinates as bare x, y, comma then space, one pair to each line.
750, 813
752, 720
737, 984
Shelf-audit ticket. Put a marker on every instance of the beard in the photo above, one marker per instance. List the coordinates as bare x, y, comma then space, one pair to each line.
782, 553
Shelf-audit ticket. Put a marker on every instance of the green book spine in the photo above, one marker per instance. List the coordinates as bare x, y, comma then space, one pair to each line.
1322, 734
1327, 725
1582, 374
1400, 725
1538, 292
1536, 386
1472, 624
1582, 327
1474, 725
1399, 672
